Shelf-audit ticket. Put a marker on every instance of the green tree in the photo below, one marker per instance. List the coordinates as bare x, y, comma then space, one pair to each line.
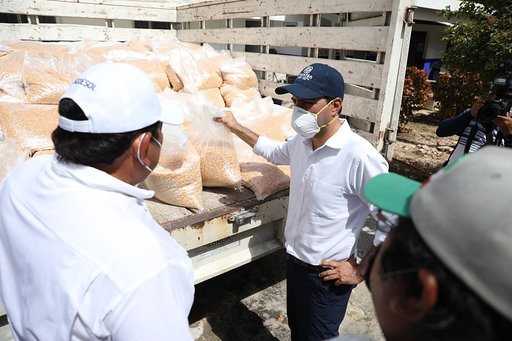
480, 38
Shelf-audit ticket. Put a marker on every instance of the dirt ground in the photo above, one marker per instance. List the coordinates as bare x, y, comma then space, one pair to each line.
418, 152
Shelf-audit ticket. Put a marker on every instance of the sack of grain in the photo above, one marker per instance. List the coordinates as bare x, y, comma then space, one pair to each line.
232, 94
265, 179
239, 73
11, 77
177, 178
264, 117
47, 76
29, 125
214, 144
38, 46
213, 96
153, 70
11, 155
196, 74
102, 51
172, 76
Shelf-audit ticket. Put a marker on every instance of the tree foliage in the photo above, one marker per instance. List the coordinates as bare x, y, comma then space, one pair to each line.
455, 92
480, 38
416, 93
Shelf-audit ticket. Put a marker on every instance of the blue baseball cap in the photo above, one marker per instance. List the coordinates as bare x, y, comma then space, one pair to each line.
315, 81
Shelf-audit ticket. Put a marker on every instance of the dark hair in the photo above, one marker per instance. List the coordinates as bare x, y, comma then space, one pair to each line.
459, 313
91, 149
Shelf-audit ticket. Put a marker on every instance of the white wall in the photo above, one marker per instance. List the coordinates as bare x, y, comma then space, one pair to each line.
434, 43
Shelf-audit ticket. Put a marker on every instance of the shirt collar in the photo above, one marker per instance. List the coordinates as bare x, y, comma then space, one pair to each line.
338, 140
95, 178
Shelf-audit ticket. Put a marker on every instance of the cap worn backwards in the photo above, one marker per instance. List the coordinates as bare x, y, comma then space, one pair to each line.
117, 98
463, 214
315, 81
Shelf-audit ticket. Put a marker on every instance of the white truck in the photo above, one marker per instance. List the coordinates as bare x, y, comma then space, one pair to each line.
366, 40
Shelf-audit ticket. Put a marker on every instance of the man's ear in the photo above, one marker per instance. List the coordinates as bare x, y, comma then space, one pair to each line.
414, 308
142, 141
337, 104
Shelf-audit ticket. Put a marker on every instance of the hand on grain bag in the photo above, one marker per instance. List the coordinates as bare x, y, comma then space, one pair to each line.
176, 179
214, 144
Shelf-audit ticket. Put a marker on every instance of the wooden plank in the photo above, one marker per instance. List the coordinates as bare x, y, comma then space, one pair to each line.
348, 38
55, 32
353, 106
362, 73
100, 10
229, 9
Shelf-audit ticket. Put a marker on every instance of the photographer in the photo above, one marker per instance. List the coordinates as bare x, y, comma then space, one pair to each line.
487, 122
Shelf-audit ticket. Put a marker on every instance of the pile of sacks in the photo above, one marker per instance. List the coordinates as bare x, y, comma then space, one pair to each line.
200, 153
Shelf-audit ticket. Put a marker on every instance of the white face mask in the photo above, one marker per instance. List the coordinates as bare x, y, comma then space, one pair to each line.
138, 151
305, 122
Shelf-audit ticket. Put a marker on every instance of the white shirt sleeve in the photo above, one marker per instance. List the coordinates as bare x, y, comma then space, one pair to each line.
273, 151
157, 309
372, 165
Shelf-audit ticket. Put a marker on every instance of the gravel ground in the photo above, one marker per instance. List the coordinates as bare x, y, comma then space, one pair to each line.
249, 303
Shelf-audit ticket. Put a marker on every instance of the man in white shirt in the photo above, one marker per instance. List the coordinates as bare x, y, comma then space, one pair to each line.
330, 166
81, 257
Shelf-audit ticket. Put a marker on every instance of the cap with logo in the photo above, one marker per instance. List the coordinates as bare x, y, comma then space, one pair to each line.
463, 214
117, 98
315, 81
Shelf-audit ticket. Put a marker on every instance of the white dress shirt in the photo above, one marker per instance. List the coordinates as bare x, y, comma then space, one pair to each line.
81, 258
326, 207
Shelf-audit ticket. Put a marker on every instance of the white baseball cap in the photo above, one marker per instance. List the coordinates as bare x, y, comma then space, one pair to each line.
117, 98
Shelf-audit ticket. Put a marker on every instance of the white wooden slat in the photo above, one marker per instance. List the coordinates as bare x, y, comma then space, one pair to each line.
224, 9
80, 9
54, 32
355, 72
354, 106
349, 38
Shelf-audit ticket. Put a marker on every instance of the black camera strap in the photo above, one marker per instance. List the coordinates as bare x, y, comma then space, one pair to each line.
489, 138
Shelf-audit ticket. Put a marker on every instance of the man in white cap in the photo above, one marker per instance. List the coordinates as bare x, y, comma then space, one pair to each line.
443, 272
81, 257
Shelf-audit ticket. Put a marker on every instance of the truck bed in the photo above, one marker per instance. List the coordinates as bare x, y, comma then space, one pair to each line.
233, 229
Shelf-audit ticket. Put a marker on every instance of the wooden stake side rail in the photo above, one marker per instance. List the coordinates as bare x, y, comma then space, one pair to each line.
229, 9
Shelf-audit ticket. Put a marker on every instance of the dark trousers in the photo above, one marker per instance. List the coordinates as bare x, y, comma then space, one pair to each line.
315, 308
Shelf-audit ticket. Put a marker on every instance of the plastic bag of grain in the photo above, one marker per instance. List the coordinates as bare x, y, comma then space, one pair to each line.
264, 178
153, 69
214, 144
11, 155
47, 76
29, 125
196, 74
176, 179
232, 94
270, 120
239, 73
264, 117
11, 77
212, 96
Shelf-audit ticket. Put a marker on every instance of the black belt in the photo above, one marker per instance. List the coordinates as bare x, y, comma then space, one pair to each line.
317, 268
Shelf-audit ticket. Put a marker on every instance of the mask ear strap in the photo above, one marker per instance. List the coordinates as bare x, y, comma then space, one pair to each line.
138, 153
325, 125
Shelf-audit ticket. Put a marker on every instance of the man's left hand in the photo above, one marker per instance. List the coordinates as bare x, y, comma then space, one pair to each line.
345, 272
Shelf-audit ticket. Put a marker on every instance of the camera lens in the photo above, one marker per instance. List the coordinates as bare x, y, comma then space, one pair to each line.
490, 110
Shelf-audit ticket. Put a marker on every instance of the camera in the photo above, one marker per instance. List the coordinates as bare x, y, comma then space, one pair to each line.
502, 84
